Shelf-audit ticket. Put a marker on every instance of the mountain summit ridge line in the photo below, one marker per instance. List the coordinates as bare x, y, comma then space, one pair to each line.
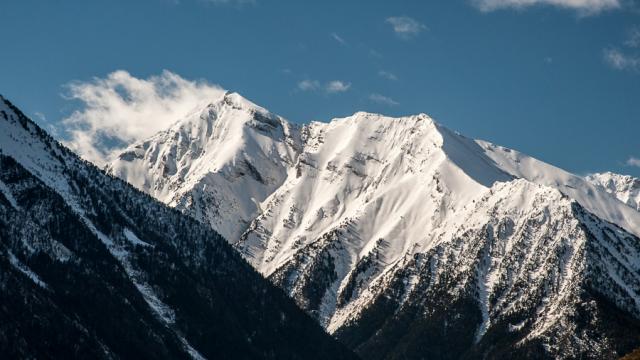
360, 218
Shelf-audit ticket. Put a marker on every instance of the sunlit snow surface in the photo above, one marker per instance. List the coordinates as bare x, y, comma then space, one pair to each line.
218, 162
626, 188
350, 206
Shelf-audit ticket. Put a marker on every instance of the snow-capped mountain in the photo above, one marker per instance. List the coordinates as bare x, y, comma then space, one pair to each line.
405, 239
626, 188
219, 162
91, 268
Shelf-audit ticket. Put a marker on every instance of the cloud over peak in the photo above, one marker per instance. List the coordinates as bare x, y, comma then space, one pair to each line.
121, 109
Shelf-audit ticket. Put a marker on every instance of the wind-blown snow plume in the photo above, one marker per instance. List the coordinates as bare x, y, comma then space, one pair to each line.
121, 109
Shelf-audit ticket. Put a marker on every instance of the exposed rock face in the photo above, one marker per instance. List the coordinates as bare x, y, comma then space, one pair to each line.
91, 268
218, 163
404, 238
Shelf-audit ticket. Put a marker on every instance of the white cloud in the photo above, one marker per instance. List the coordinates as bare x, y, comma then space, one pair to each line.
384, 100
621, 61
375, 54
633, 41
629, 58
121, 109
331, 87
387, 75
632, 161
583, 6
337, 86
42, 121
236, 3
40, 116
405, 27
339, 39
308, 85
231, 2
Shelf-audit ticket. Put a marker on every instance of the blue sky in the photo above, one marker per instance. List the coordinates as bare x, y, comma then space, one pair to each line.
557, 79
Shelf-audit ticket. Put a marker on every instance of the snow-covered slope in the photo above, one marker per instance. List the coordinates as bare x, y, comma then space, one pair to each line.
592, 197
375, 175
391, 231
91, 268
626, 188
370, 193
530, 274
217, 163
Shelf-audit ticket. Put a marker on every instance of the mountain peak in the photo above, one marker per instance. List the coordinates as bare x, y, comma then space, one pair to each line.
74, 242
625, 188
412, 119
372, 210
231, 154
235, 100
229, 106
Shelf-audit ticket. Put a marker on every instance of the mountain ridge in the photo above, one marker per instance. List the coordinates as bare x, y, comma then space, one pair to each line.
99, 269
175, 161
369, 201
624, 187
